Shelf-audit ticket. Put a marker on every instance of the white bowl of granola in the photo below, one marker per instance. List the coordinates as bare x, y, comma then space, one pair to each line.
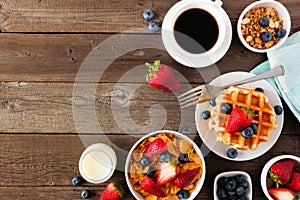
264, 25
150, 179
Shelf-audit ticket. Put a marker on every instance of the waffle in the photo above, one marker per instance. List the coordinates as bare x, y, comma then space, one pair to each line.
265, 117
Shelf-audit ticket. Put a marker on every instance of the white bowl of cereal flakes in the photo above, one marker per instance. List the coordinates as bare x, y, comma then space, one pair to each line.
165, 165
264, 25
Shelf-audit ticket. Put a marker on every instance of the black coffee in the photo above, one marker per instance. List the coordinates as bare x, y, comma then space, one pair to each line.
196, 30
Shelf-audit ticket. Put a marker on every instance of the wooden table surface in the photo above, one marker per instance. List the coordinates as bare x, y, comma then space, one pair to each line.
43, 44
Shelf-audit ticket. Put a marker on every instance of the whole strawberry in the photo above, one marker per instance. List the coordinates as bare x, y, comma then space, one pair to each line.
282, 171
160, 76
182, 180
113, 191
239, 119
149, 186
294, 183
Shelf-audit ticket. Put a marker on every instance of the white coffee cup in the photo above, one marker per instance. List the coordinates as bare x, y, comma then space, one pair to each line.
178, 52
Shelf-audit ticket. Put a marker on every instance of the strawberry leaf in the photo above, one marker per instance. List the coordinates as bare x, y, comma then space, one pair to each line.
249, 111
148, 65
147, 76
275, 178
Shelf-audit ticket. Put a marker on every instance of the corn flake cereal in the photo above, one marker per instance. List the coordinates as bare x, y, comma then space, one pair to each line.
175, 146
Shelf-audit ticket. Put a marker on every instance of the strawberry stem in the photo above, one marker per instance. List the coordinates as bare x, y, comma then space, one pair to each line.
275, 178
249, 111
152, 68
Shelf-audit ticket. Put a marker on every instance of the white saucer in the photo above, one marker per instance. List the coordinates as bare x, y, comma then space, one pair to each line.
194, 60
209, 137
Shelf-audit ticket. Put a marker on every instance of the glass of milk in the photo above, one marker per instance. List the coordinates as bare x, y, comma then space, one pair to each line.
97, 163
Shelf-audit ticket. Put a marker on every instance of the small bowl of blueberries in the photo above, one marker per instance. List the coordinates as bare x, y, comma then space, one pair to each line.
264, 26
233, 185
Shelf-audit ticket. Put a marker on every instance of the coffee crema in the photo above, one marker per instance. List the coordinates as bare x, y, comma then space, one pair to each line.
196, 30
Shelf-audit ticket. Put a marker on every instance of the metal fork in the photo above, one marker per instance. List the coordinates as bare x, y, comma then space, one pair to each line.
205, 92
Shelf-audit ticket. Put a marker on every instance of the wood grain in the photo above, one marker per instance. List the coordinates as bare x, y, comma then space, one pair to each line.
99, 16
59, 57
47, 108
47, 163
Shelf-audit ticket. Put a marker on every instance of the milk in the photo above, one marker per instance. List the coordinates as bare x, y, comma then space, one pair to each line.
97, 163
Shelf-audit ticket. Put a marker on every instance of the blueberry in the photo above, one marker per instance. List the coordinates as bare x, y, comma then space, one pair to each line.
183, 158
259, 89
77, 180
148, 14
226, 108
244, 184
212, 102
254, 127
221, 182
205, 114
183, 194
240, 191
266, 36
232, 153
221, 193
280, 33
242, 198
145, 161
231, 184
85, 194
151, 172
247, 132
264, 21
240, 178
232, 195
153, 27
165, 156
278, 109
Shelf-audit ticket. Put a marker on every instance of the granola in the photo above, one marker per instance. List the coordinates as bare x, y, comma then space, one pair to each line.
259, 35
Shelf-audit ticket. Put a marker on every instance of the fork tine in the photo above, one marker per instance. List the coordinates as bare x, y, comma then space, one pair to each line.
193, 99
200, 87
190, 96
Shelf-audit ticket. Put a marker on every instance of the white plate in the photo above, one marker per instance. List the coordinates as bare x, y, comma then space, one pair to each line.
209, 137
188, 59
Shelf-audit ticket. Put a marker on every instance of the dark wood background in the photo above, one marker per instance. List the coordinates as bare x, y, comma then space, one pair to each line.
42, 45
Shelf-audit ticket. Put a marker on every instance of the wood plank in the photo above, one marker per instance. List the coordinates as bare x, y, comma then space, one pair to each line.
45, 164
118, 108
95, 16
58, 58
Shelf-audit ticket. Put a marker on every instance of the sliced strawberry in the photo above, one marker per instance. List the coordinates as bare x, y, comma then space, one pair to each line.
166, 173
282, 194
239, 119
294, 183
149, 186
182, 180
113, 191
160, 76
282, 171
156, 147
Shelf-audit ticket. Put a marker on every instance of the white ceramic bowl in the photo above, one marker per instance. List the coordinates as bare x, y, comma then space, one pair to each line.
179, 135
282, 13
234, 173
265, 181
